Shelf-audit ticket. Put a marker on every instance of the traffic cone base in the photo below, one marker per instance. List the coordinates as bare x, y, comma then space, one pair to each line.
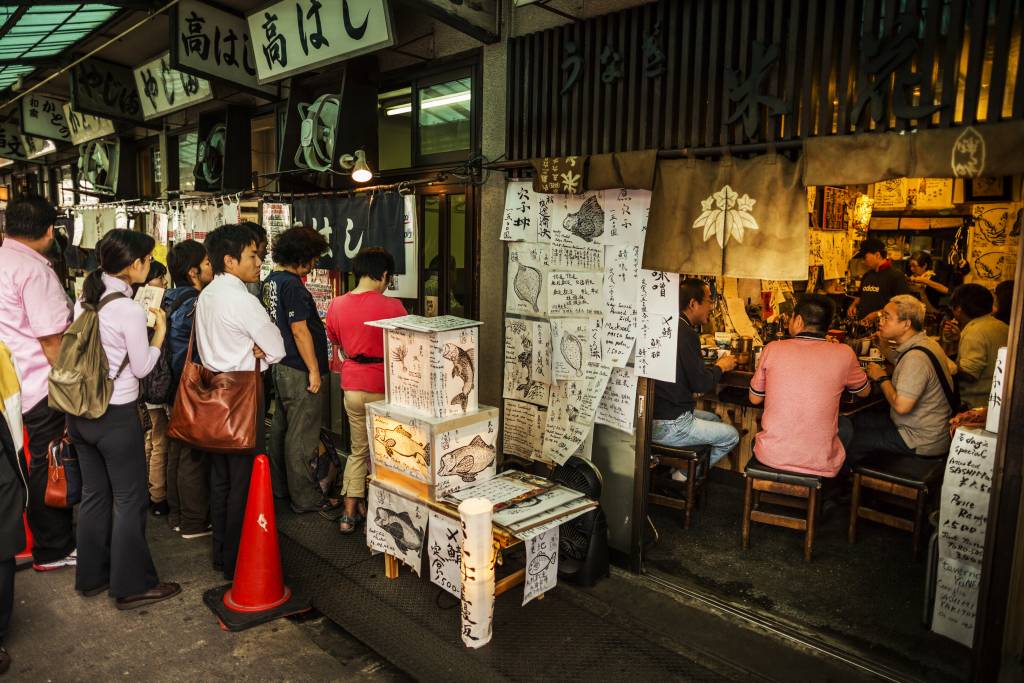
258, 593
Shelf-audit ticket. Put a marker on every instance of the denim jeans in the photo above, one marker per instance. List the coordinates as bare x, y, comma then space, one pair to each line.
699, 428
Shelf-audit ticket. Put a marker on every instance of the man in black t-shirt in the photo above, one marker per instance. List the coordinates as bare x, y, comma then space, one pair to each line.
299, 377
881, 283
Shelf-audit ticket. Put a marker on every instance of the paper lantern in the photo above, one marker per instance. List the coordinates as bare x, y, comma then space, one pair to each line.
478, 556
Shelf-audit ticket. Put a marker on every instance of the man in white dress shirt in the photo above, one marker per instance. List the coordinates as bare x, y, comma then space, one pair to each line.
233, 332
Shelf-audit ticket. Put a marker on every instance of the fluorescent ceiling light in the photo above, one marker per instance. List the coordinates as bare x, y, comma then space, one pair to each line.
442, 101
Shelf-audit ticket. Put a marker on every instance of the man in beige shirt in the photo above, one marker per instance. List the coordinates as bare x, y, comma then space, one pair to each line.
981, 337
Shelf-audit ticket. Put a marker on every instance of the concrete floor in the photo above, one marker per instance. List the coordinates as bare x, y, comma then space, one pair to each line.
57, 635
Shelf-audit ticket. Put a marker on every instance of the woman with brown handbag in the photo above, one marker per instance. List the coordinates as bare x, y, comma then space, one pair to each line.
112, 549
219, 407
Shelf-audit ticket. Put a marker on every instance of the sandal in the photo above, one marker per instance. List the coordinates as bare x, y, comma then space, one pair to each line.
352, 523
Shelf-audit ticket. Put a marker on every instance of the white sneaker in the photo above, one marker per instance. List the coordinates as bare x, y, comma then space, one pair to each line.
70, 561
199, 534
678, 475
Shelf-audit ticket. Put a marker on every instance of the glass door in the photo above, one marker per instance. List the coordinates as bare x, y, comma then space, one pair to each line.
447, 254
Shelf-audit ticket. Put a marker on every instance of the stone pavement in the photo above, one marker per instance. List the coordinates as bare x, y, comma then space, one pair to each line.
57, 635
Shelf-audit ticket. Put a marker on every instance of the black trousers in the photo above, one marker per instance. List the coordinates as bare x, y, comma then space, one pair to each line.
112, 545
7, 568
875, 431
52, 529
188, 487
229, 490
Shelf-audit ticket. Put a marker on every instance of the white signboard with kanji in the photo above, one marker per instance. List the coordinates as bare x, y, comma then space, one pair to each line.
208, 41
292, 36
163, 89
85, 127
43, 117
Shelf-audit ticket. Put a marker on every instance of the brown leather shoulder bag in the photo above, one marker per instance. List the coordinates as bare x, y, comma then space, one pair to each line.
216, 411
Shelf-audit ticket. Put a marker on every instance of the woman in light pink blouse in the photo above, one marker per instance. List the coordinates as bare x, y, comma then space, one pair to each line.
113, 554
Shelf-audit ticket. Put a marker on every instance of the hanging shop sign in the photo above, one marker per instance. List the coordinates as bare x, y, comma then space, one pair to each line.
211, 42
37, 147
478, 19
105, 89
165, 89
11, 145
43, 117
624, 81
85, 127
294, 36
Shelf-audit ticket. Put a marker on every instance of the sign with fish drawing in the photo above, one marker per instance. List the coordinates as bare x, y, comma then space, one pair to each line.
445, 553
527, 360
527, 274
446, 453
570, 340
466, 455
541, 565
396, 526
434, 373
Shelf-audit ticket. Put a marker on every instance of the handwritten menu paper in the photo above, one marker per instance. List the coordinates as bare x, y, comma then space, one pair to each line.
541, 565
617, 406
524, 425
396, 526
537, 505
444, 554
527, 274
575, 293
584, 259
571, 413
149, 297
528, 368
625, 216
534, 526
963, 522
570, 339
995, 397
519, 221
657, 325
621, 295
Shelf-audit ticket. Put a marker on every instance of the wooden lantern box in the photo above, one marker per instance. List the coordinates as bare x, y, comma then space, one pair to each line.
429, 456
431, 364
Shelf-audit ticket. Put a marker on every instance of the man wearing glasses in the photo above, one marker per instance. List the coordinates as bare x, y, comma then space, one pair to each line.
676, 422
918, 392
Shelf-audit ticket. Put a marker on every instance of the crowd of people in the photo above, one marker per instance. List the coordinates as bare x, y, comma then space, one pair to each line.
132, 466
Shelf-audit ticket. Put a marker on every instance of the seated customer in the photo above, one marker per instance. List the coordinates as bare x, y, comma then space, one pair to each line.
801, 428
919, 398
981, 336
676, 423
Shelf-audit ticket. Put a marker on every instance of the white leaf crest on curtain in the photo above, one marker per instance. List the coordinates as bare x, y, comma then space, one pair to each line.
725, 214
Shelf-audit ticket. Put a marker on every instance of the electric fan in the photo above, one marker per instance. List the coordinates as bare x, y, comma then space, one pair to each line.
317, 133
583, 542
210, 157
97, 165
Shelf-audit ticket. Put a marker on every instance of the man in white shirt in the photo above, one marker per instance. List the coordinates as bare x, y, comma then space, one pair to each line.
233, 332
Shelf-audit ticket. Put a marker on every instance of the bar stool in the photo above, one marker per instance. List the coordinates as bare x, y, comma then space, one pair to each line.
904, 481
695, 462
765, 484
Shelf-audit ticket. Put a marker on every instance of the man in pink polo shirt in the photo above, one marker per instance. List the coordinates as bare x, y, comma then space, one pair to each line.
800, 382
34, 312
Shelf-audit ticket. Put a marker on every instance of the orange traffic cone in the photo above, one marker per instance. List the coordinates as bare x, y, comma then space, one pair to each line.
24, 558
258, 593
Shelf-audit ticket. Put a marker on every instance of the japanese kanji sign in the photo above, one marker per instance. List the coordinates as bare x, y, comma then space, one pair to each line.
11, 146
85, 127
37, 147
207, 41
105, 89
292, 36
164, 89
43, 117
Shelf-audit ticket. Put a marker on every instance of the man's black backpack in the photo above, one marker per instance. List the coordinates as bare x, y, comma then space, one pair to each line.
158, 386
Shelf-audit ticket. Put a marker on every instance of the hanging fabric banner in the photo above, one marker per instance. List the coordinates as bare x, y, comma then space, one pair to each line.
740, 218
352, 224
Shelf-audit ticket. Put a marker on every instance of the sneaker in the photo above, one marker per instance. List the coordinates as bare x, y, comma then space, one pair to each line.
69, 561
159, 509
5, 661
176, 529
198, 534
678, 475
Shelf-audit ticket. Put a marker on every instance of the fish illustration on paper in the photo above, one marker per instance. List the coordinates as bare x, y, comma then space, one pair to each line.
539, 563
399, 441
572, 351
468, 461
400, 527
462, 367
588, 222
526, 285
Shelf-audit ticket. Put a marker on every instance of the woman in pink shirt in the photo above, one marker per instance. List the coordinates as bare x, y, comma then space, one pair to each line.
112, 551
362, 373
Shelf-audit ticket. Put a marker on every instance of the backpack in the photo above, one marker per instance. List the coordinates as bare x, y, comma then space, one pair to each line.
956, 404
158, 387
79, 381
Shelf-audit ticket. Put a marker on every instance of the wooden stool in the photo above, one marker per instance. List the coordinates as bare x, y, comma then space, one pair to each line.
695, 462
778, 487
903, 480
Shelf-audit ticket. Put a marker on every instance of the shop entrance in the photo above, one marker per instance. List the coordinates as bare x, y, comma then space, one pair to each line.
447, 258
